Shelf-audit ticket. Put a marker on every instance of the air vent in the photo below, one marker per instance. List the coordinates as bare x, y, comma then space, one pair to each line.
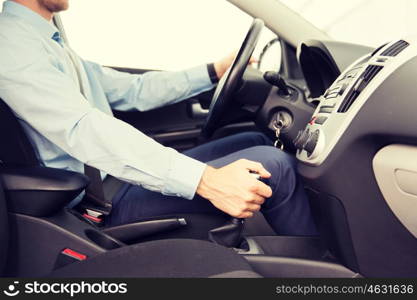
367, 76
396, 48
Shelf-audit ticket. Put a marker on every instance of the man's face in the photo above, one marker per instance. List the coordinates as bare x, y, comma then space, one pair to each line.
54, 6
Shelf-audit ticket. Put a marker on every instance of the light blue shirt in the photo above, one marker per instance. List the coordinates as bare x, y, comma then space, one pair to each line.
68, 129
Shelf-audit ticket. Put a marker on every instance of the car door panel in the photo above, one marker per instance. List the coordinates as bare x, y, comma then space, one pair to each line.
177, 125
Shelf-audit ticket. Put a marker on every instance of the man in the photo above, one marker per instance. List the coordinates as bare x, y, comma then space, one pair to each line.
65, 105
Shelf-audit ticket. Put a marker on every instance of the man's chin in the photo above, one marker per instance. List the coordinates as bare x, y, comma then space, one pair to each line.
55, 6
60, 8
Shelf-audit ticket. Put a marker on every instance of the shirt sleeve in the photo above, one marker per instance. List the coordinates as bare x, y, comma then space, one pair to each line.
151, 90
49, 101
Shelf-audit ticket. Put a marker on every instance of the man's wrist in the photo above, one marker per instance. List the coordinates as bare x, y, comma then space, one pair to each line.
203, 186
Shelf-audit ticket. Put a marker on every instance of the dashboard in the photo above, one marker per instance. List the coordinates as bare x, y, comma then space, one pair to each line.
351, 118
342, 100
321, 62
317, 64
357, 160
318, 67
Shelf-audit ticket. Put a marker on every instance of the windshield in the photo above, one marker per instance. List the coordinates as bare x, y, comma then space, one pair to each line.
367, 22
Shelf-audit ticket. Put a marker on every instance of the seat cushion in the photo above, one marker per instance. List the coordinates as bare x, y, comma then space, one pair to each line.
163, 258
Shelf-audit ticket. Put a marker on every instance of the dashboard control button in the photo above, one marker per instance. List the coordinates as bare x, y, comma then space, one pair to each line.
343, 88
332, 95
327, 109
328, 102
311, 143
320, 120
301, 139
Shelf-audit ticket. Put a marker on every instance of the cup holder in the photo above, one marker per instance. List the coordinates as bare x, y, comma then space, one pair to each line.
102, 240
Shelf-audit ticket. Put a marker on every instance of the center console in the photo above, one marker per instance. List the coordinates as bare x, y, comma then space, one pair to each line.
352, 158
344, 99
47, 236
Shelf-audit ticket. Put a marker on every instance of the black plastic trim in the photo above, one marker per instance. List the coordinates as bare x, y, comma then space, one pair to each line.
284, 267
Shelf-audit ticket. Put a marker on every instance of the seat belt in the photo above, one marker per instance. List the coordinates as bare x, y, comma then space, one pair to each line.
94, 193
94, 199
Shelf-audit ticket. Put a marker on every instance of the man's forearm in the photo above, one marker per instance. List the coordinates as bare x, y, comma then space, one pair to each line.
153, 89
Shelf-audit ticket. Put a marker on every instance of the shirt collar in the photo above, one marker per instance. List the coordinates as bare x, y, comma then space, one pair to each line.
37, 21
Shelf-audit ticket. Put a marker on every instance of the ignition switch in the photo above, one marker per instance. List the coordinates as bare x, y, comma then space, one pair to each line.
283, 118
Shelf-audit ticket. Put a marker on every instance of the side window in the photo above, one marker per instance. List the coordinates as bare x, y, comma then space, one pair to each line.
157, 34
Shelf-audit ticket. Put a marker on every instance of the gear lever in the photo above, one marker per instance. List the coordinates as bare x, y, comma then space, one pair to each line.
230, 234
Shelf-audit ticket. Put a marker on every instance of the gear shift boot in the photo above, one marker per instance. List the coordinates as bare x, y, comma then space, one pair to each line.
228, 235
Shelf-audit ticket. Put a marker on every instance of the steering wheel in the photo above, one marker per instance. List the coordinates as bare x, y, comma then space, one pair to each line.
230, 81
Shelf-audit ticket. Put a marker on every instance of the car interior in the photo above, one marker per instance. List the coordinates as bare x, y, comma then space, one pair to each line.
345, 111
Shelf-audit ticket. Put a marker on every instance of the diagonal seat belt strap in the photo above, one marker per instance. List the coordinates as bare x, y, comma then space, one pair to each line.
94, 191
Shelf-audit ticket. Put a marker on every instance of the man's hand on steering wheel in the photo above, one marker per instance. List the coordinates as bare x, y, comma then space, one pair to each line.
230, 72
225, 63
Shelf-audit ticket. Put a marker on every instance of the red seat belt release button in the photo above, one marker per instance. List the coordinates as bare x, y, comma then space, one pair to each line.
92, 218
74, 254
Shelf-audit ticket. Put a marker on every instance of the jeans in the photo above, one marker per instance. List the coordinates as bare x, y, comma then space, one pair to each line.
287, 211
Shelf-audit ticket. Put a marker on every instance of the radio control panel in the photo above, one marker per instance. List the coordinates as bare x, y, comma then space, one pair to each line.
342, 101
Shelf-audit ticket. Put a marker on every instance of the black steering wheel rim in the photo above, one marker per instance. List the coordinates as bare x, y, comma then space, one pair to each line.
227, 85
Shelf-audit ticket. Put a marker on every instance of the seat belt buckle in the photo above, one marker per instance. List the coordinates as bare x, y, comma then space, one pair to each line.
94, 210
93, 216
93, 213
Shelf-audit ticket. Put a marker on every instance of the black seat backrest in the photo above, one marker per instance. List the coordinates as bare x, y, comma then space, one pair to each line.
4, 232
15, 147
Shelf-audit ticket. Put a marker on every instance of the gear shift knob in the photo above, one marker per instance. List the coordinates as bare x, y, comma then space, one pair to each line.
230, 234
